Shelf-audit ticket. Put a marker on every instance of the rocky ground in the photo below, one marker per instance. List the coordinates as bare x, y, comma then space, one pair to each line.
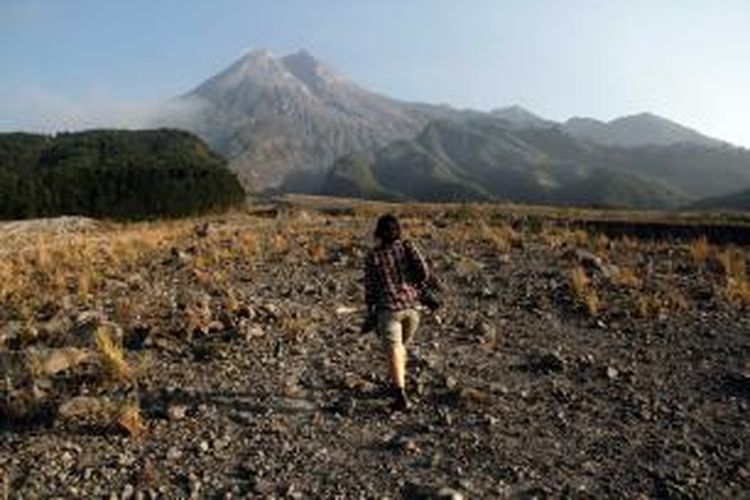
562, 364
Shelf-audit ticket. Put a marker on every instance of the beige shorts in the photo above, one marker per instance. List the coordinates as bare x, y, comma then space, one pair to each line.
397, 327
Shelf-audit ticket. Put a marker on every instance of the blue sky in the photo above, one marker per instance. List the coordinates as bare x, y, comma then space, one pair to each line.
78, 63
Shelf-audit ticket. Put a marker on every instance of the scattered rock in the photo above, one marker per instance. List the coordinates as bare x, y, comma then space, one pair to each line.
127, 492
88, 411
410, 447
486, 333
254, 332
414, 491
174, 453
60, 360
177, 412
471, 397
271, 311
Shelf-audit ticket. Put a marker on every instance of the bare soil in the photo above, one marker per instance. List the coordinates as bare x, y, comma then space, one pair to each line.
518, 390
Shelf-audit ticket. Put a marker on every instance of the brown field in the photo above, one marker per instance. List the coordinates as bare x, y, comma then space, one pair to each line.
221, 356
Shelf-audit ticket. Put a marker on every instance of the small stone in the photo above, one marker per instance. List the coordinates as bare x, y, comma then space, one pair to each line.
254, 332
177, 412
484, 331
410, 447
127, 492
216, 326
263, 486
125, 460
220, 444
612, 372
174, 453
203, 446
271, 310
446, 493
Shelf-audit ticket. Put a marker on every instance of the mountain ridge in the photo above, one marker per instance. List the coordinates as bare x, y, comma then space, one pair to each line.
484, 160
275, 116
285, 122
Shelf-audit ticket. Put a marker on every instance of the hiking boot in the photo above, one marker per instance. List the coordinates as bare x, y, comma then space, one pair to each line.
400, 401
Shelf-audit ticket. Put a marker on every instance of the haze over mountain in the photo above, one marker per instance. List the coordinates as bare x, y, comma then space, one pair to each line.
273, 116
636, 130
284, 121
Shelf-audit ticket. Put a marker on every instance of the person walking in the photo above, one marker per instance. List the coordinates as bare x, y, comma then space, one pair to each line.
395, 271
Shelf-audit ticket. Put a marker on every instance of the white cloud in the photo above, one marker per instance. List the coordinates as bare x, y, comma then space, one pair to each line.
40, 110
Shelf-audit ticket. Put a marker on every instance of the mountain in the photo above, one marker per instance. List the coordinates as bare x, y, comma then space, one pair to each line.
735, 201
275, 117
519, 117
293, 123
644, 129
486, 159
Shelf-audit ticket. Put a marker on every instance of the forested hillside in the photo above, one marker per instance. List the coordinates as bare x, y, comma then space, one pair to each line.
112, 173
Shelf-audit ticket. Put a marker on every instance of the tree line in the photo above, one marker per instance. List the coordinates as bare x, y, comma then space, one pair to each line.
113, 173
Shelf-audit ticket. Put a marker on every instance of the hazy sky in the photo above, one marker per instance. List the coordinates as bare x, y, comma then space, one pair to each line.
80, 63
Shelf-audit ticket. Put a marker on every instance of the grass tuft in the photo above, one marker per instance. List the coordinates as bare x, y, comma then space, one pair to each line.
699, 250
129, 419
112, 356
583, 294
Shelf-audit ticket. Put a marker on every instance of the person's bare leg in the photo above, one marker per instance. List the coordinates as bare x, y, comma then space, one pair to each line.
398, 365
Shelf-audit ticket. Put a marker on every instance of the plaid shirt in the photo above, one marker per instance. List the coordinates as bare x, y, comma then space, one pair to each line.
393, 275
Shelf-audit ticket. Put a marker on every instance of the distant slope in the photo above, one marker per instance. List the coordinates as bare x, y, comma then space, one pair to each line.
637, 130
112, 173
735, 201
484, 159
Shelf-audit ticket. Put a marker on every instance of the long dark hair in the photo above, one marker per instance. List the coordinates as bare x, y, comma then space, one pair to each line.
388, 229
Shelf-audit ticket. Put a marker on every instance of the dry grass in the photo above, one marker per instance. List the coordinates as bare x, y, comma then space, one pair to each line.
553, 238
579, 238
579, 281
649, 306
295, 326
45, 268
113, 358
582, 291
317, 252
626, 277
601, 244
737, 285
699, 250
130, 420
628, 244
504, 238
